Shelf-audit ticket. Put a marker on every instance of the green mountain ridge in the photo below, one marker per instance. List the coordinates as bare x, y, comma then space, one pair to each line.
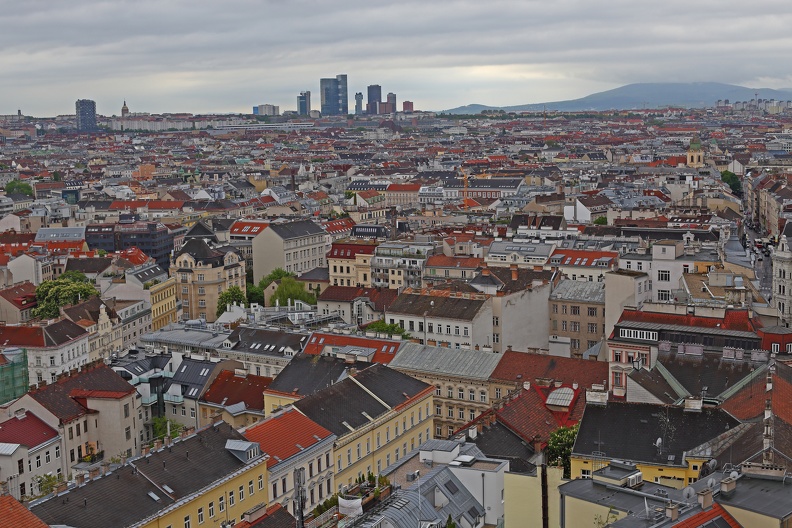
641, 96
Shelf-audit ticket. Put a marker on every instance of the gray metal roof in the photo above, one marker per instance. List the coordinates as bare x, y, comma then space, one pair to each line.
475, 364
181, 335
583, 291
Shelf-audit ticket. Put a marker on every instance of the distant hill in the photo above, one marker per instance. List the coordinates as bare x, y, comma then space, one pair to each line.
643, 95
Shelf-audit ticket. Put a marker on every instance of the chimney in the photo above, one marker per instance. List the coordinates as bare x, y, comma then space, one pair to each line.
509, 348
705, 498
167, 441
727, 487
157, 445
514, 272
80, 479
485, 272
537, 444
93, 473
104, 466
672, 511
60, 487
123, 460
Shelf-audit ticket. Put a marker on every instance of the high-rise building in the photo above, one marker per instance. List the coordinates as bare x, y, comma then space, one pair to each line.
266, 110
392, 101
407, 107
334, 94
304, 103
358, 103
374, 98
86, 115
343, 94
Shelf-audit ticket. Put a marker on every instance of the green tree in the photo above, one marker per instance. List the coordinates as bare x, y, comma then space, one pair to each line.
254, 294
384, 328
17, 186
733, 181
46, 483
276, 274
159, 426
233, 295
450, 522
601, 220
74, 276
51, 295
559, 447
291, 289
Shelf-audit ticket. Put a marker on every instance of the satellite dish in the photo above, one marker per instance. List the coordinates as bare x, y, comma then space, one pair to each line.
688, 493
734, 474
711, 483
712, 464
659, 442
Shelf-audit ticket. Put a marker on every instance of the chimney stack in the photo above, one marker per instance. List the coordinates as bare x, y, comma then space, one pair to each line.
705, 498
514, 272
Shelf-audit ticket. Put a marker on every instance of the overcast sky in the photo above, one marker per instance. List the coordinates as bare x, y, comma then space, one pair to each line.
228, 55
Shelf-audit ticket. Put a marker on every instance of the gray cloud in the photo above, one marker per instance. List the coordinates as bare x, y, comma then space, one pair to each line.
226, 56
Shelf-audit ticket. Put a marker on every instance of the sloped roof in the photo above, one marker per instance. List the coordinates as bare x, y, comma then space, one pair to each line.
26, 429
381, 298
13, 513
60, 332
57, 397
229, 389
474, 364
285, 435
530, 366
22, 296
437, 306
385, 348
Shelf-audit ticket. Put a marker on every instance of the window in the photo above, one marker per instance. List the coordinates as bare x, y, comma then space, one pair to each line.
564, 309
211, 509
664, 276
585, 473
618, 379
472, 395
461, 414
575, 310
496, 338
450, 392
575, 326
57, 451
200, 516
498, 393
644, 335
261, 482
775, 347
575, 343
241, 493
496, 320
592, 312
230, 498
250, 488
275, 489
451, 412
126, 410
221, 504
128, 433
617, 356
592, 328
461, 393
187, 522
437, 390
47, 457
555, 308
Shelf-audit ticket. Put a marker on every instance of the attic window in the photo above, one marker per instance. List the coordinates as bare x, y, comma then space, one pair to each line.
192, 392
204, 371
450, 486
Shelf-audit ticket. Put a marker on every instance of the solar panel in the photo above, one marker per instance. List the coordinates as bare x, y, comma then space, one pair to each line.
561, 397
452, 487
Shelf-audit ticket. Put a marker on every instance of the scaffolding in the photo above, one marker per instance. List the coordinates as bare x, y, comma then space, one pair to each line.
13, 374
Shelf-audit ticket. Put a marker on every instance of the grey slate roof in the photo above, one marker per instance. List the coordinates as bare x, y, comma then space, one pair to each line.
181, 335
436, 306
193, 376
122, 498
474, 364
583, 291
306, 374
300, 228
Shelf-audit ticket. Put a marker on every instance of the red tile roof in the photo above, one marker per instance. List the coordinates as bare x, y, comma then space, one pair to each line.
341, 250
443, 261
319, 340
733, 320
704, 518
531, 366
253, 228
280, 435
404, 187
13, 513
26, 429
149, 204
228, 389
529, 417
382, 298
22, 296
57, 397
339, 226
133, 255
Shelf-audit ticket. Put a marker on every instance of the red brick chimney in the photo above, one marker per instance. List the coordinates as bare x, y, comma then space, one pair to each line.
514, 272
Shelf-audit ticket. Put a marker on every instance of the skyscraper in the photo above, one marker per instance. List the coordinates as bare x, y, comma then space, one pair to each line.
86, 115
358, 103
304, 103
335, 97
343, 94
374, 98
392, 102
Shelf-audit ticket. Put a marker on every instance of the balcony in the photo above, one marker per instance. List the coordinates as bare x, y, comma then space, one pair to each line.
173, 398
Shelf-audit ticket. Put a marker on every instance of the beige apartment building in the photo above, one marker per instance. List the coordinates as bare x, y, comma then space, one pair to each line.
296, 247
460, 377
202, 274
349, 262
164, 304
577, 315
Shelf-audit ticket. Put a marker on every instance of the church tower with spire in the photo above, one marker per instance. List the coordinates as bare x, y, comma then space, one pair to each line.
124, 110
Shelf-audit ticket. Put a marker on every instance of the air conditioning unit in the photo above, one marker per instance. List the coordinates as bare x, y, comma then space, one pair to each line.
635, 480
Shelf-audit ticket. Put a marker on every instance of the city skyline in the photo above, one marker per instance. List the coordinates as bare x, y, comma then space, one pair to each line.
163, 57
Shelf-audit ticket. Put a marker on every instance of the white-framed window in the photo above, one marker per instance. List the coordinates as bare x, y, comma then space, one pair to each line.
644, 335
585, 473
775, 347
663, 276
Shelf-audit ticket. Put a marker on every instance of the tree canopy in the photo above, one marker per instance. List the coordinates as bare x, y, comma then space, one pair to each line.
291, 289
601, 220
733, 181
559, 447
233, 295
70, 288
276, 274
17, 186
254, 294
384, 328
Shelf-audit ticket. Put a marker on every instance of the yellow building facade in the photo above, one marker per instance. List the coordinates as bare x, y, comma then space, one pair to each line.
164, 306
